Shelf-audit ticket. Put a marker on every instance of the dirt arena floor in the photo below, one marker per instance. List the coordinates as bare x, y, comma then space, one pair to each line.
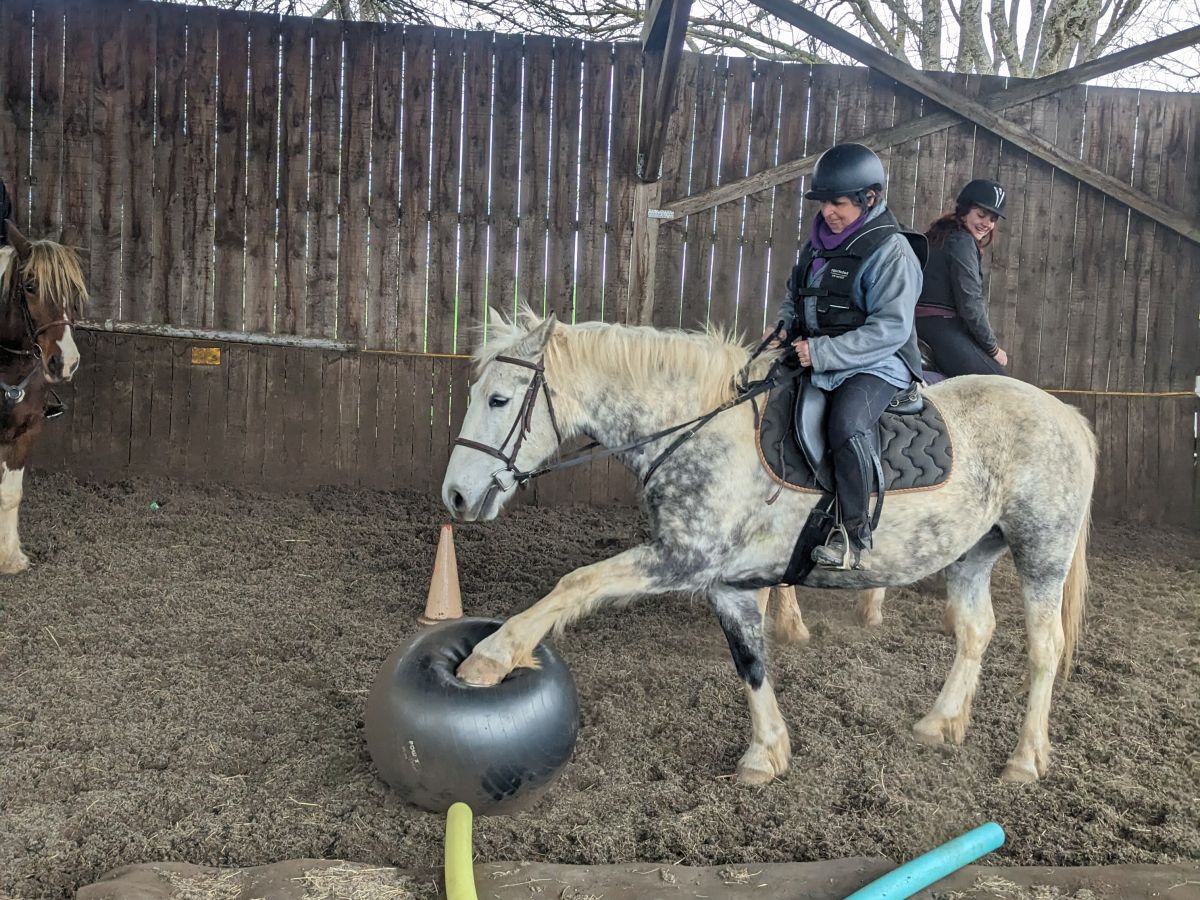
187, 684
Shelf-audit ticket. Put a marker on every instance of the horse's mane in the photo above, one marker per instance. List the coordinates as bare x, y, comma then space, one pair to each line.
707, 361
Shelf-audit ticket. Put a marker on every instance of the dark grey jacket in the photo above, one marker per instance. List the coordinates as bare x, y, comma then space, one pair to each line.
954, 281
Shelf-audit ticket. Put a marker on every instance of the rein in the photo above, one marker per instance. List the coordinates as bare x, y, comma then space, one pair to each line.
745, 391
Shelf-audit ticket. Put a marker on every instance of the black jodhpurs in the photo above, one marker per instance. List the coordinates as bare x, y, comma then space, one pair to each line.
954, 350
856, 405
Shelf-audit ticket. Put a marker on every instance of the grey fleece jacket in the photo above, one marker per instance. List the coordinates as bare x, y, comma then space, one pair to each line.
954, 281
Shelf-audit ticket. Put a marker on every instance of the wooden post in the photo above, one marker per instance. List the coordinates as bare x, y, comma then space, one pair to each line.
662, 46
639, 306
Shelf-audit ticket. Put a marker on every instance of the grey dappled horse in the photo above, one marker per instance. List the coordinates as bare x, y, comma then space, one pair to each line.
1024, 464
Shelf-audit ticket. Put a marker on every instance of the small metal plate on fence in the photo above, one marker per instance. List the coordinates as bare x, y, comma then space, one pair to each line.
206, 356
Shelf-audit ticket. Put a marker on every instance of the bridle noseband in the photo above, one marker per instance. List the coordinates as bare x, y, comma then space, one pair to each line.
520, 426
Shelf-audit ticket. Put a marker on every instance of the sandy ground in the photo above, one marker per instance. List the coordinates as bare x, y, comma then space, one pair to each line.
187, 684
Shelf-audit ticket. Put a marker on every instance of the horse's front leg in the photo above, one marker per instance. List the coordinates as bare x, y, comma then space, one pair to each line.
577, 593
770, 749
12, 559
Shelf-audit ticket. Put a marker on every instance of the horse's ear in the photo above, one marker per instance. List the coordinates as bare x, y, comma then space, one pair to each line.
19, 241
535, 342
528, 319
495, 320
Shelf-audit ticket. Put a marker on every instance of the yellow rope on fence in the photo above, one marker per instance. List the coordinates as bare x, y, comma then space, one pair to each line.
1121, 393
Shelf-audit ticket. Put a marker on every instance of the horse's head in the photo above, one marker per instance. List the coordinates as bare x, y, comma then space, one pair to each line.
510, 428
45, 291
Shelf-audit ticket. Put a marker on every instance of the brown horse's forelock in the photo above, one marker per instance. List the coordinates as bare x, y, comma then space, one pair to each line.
59, 277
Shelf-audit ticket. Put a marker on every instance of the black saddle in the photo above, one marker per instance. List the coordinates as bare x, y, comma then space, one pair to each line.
911, 442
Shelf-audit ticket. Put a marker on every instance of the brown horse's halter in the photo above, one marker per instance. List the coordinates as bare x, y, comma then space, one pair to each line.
15, 393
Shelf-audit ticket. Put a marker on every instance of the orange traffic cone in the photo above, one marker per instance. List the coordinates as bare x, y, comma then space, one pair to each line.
445, 599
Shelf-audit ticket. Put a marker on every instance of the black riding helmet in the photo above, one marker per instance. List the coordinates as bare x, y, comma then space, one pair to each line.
986, 194
846, 170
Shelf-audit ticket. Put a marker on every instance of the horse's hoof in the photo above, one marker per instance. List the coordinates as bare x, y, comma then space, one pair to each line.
746, 775
18, 563
481, 671
1018, 773
929, 732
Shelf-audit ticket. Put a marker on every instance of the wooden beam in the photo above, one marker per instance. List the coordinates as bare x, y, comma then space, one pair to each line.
980, 114
662, 46
1023, 92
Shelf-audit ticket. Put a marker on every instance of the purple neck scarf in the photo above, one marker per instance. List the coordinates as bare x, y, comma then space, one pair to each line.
824, 239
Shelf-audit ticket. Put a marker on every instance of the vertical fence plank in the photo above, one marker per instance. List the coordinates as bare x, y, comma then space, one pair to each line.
291, 294
165, 302
788, 198
593, 235
698, 228
199, 181
16, 39
473, 289
445, 175
140, 232
1063, 246
535, 176
78, 76
384, 261
258, 308
414, 187
324, 172
230, 202
564, 180
727, 235
46, 169
754, 297
506, 169
354, 248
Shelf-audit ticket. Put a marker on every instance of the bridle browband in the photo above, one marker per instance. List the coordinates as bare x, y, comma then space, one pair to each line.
746, 390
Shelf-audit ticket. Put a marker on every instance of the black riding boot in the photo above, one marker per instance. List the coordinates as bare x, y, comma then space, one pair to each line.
855, 474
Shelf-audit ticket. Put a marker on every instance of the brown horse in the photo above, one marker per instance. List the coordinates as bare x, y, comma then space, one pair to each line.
42, 291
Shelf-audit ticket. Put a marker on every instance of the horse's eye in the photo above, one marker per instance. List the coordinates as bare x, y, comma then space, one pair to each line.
496, 401
31, 286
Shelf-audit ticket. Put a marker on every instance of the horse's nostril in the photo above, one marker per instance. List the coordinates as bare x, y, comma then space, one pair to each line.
56, 365
457, 499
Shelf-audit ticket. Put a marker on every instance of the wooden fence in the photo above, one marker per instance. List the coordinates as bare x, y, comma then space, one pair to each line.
381, 185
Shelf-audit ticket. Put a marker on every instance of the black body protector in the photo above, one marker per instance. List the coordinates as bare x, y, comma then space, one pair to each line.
831, 304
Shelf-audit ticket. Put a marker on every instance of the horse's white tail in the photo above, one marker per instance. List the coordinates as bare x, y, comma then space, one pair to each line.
1075, 595
1076, 585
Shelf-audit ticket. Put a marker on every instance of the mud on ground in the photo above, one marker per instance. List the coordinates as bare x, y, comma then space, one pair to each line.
187, 684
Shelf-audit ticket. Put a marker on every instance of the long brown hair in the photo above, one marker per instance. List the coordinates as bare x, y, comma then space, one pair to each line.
951, 222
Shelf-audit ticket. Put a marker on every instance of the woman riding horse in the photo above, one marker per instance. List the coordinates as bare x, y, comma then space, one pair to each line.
849, 314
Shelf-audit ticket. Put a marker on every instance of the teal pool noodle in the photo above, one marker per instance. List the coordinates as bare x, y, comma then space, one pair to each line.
923, 871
